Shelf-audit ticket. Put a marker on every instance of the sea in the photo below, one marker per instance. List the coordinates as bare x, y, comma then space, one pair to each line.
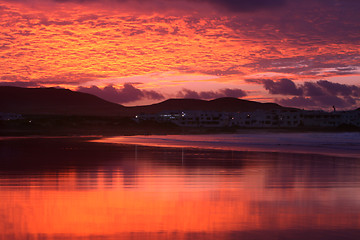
251, 185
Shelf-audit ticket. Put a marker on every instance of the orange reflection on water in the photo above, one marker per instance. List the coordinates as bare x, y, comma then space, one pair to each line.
165, 199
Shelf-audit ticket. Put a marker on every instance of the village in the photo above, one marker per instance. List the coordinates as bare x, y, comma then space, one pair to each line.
277, 118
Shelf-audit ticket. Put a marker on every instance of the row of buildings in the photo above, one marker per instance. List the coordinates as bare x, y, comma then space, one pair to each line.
9, 116
277, 118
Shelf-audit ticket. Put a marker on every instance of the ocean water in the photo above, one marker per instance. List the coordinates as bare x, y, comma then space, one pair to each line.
249, 186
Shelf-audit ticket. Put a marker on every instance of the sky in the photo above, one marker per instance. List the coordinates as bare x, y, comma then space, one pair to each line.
302, 54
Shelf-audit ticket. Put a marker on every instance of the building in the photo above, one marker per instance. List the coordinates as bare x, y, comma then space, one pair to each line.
268, 119
189, 118
276, 118
10, 116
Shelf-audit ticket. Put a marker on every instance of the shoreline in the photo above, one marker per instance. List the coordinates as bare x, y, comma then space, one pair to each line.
346, 144
330, 144
156, 130
49, 125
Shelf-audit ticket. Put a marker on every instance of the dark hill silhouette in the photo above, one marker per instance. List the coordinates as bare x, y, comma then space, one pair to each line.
226, 104
53, 101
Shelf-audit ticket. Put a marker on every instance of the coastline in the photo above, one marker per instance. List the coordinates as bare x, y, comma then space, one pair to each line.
345, 144
148, 129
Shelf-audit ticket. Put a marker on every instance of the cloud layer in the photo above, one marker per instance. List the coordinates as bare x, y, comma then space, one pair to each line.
72, 43
227, 92
127, 94
229, 5
319, 94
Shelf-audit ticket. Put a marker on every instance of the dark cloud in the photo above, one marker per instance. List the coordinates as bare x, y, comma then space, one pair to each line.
151, 94
321, 94
88, 17
283, 86
162, 31
325, 102
301, 102
127, 94
226, 92
19, 84
246, 5
311, 89
4, 47
339, 89
24, 33
218, 72
68, 33
236, 93
228, 5
47, 22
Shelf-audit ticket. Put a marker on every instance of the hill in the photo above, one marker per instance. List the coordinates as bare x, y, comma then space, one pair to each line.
52, 101
226, 104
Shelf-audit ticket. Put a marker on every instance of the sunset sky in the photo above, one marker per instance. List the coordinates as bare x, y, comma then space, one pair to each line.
297, 53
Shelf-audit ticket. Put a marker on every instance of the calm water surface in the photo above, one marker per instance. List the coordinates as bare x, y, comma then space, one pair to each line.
72, 188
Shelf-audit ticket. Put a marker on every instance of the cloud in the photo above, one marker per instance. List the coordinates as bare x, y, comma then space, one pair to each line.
228, 5
236, 92
246, 5
303, 41
4, 47
47, 22
219, 72
326, 101
339, 89
319, 88
226, 92
127, 94
322, 93
19, 84
311, 89
283, 86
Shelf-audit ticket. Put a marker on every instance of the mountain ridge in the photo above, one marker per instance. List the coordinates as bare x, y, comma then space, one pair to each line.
225, 104
54, 101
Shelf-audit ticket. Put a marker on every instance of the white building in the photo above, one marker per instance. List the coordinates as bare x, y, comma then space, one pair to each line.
267, 119
277, 118
322, 119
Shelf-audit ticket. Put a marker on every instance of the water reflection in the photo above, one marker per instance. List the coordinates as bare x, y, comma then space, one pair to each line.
73, 189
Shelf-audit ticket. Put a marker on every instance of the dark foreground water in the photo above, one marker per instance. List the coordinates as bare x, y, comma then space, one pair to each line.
70, 188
